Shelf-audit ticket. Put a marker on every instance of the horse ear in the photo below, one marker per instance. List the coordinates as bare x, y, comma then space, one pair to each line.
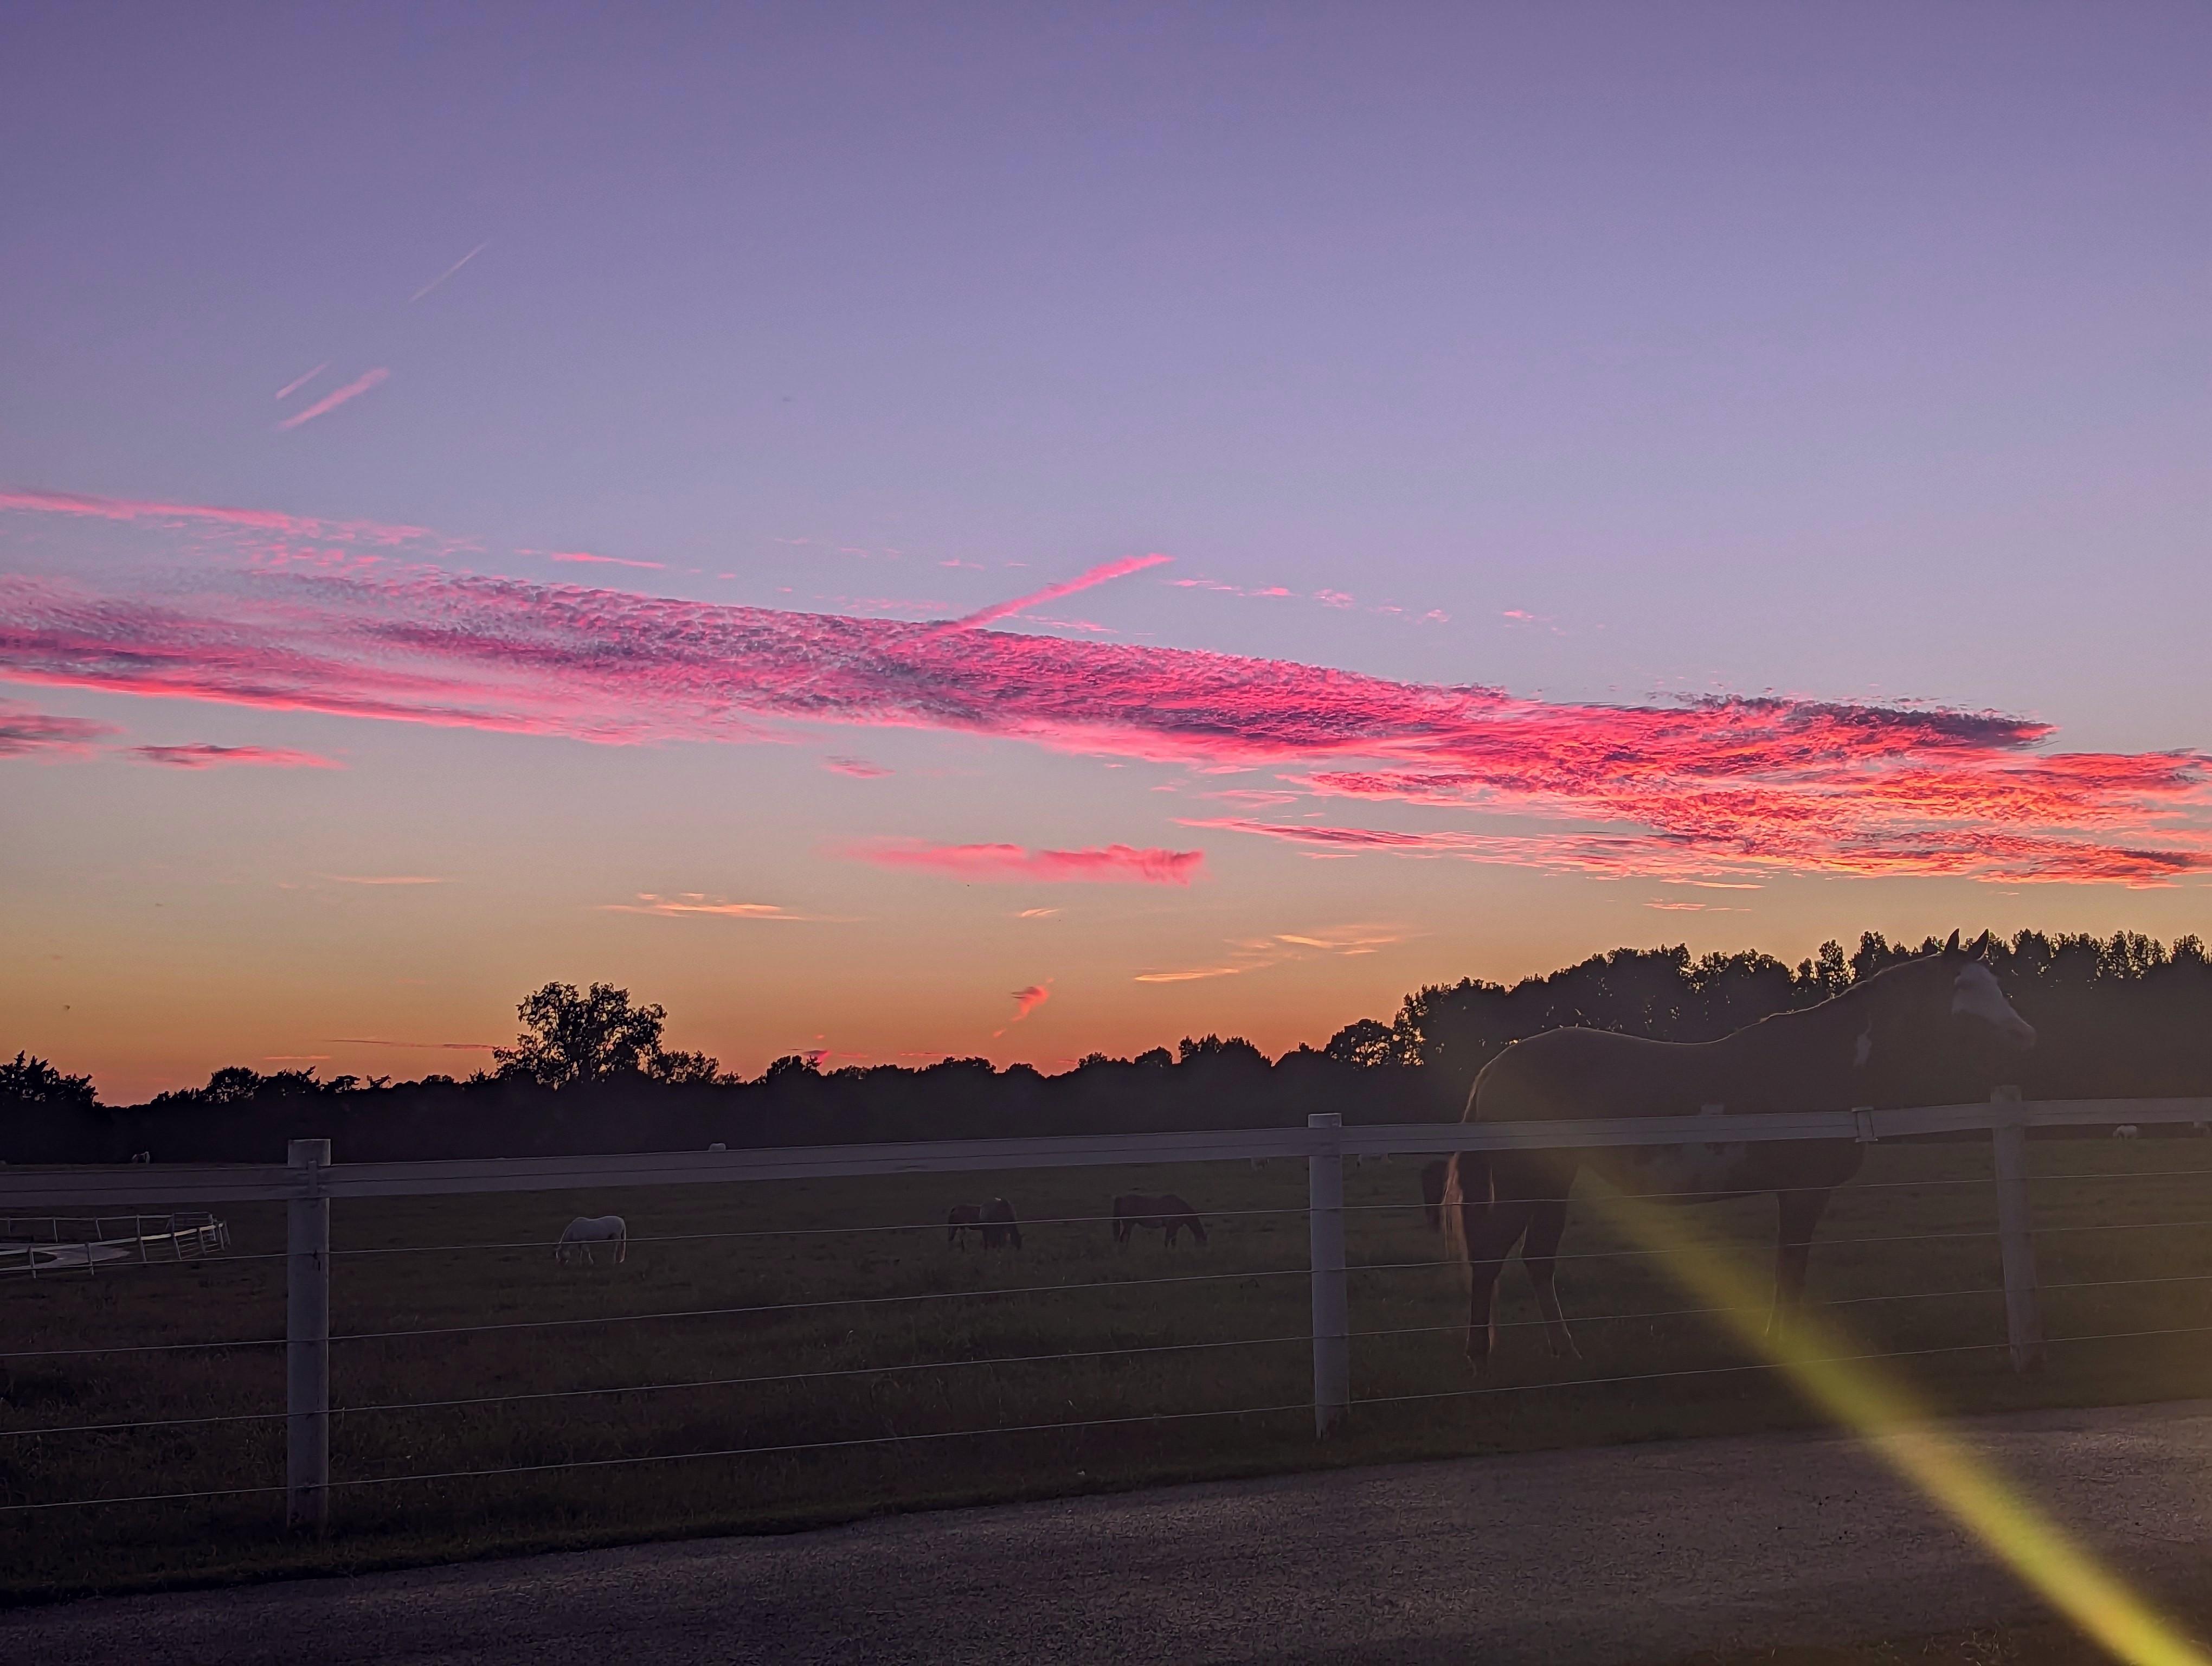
1981, 948
1952, 947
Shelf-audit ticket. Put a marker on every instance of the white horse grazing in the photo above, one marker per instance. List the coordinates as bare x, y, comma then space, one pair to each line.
2127, 1131
584, 1232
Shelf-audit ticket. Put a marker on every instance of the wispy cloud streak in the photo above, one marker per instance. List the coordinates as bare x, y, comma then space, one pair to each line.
299, 382
1113, 864
25, 732
1713, 789
697, 905
586, 556
330, 401
1053, 592
202, 754
449, 272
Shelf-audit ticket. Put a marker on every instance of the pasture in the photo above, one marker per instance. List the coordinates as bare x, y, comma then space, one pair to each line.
832, 1372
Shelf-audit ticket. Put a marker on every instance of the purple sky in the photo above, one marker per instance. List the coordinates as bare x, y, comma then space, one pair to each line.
1589, 353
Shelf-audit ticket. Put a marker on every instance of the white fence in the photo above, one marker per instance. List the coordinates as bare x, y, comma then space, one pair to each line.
53, 1243
308, 1182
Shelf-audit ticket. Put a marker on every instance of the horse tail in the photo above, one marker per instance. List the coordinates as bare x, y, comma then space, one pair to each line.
1466, 1183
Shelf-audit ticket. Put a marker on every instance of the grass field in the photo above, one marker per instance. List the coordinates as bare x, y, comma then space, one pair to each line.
910, 1342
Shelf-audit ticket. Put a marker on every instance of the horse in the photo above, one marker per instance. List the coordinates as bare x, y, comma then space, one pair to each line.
585, 1231
1135, 1209
1432, 1193
1885, 1039
959, 1219
1000, 1229
2127, 1131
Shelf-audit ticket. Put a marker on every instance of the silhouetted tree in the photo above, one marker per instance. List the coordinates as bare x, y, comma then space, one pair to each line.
1368, 1042
1214, 1049
571, 1039
30, 1084
684, 1069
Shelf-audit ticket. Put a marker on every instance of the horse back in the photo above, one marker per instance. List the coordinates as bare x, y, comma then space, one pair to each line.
1567, 1074
1564, 1074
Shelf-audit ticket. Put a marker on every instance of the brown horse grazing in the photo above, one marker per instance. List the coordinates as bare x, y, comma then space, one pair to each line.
959, 1219
1000, 1229
1891, 1040
1135, 1209
1432, 1193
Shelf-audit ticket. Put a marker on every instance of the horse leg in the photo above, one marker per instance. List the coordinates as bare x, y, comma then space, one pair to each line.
1489, 1238
1539, 1254
1799, 1213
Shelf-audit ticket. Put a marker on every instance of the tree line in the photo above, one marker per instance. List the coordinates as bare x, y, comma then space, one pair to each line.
2120, 1017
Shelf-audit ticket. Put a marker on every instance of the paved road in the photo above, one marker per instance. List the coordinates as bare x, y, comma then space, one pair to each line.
1617, 1555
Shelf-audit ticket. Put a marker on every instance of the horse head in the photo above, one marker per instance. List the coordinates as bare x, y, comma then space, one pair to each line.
1922, 1008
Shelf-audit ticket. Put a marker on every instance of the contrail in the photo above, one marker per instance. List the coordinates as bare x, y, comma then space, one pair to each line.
449, 272
332, 401
1112, 570
292, 387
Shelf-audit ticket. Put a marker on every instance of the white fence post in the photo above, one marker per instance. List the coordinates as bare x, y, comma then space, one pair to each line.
1332, 1341
2016, 1234
307, 1341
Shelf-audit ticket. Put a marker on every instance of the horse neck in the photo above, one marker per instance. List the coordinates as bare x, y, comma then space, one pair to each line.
1816, 1046
1819, 1046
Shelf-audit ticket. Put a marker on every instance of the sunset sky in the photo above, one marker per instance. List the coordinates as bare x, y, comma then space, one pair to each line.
903, 532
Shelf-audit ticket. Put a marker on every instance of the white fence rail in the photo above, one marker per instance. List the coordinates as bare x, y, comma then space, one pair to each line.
310, 1180
55, 1243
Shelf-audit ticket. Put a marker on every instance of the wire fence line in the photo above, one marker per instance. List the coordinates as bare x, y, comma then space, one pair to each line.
1480, 1391
1137, 1350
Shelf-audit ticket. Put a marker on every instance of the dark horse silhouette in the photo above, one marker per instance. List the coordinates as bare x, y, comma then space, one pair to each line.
1135, 1209
1000, 1229
1886, 1041
994, 1220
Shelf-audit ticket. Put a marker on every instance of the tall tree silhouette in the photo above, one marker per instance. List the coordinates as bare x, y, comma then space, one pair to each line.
573, 1038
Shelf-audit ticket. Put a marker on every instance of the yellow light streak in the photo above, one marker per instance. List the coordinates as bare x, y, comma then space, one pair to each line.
1903, 1434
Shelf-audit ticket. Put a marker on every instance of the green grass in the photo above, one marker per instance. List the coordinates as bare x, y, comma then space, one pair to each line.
1133, 1334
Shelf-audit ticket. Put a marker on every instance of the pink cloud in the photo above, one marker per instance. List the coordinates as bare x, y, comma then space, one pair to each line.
1107, 864
1712, 789
275, 521
604, 560
24, 732
860, 768
330, 401
1053, 592
299, 382
203, 756
1028, 999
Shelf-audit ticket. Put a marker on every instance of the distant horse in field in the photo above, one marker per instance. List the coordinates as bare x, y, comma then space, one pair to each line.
1135, 1209
1884, 1041
585, 1231
1000, 1230
994, 1220
2127, 1131
1432, 1192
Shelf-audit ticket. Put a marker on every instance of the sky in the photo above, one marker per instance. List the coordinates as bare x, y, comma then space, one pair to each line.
899, 531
